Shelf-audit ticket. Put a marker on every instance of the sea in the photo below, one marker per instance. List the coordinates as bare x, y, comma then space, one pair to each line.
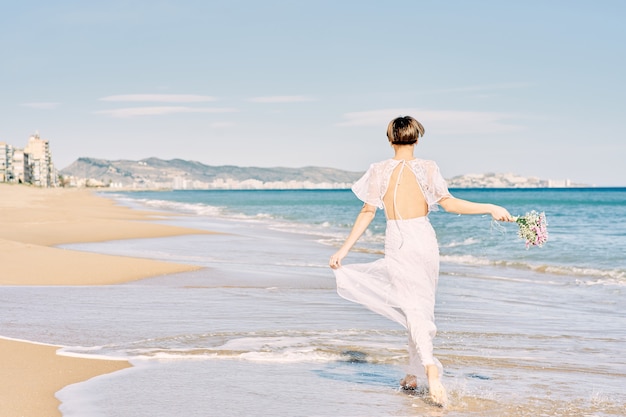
260, 331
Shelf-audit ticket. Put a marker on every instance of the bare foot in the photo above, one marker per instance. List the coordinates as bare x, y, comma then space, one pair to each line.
437, 391
409, 382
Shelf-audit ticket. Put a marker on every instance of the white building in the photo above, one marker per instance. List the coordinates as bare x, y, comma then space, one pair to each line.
6, 160
31, 165
559, 183
21, 173
39, 164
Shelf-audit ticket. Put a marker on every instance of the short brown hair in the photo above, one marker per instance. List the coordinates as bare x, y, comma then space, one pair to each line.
404, 130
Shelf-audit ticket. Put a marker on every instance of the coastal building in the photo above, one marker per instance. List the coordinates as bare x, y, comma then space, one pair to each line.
6, 158
31, 165
21, 173
40, 167
559, 183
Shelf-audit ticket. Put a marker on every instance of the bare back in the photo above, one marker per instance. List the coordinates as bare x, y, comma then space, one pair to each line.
409, 201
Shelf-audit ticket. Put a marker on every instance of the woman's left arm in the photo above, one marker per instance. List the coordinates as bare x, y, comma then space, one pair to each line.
460, 206
362, 222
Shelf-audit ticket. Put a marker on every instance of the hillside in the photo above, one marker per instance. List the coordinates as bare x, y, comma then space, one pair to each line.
154, 173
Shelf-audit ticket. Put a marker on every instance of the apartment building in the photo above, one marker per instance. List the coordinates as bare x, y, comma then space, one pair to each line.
6, 159
39, 161
31, 165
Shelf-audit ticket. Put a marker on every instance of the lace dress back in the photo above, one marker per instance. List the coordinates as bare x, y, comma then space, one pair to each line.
405, 200
373, 185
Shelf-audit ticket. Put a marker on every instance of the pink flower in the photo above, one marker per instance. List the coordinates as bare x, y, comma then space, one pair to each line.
533, 228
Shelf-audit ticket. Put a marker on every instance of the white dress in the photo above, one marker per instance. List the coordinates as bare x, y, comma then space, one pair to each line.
401, 286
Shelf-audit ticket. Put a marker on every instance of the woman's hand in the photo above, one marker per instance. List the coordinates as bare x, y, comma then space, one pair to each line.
501, 214
335, 260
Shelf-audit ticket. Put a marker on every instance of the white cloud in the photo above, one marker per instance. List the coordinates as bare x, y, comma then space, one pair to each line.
160, 98
44, 105
281, 99
438, 121
161, 110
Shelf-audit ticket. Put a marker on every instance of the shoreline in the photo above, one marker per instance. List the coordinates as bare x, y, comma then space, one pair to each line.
34, 220
32, 373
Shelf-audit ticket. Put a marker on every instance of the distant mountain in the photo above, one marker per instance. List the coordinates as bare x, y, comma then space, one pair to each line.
155, 173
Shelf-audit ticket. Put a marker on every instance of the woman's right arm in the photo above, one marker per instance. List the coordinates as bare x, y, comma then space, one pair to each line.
361, 224
460, 206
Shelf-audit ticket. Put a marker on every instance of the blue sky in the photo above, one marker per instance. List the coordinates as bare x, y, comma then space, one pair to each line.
535, 88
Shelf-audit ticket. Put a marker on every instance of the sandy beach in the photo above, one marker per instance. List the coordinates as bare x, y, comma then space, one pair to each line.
33, 373
32, 222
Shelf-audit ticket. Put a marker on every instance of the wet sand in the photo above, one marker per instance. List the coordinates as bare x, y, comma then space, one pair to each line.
32, 221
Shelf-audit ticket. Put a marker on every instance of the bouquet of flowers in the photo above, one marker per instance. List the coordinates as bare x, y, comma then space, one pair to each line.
533, 228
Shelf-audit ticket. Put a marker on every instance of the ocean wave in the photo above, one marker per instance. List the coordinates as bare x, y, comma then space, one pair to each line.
466, 242
327, 229
276, 347
166, 205
594, 276
333, 234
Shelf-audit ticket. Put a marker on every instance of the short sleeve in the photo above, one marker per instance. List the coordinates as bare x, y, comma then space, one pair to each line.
367, 188
437, 186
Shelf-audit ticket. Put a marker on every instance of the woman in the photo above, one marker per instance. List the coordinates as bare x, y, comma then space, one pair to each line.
402, 285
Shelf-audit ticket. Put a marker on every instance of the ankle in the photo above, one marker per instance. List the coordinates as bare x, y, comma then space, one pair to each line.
432, 372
